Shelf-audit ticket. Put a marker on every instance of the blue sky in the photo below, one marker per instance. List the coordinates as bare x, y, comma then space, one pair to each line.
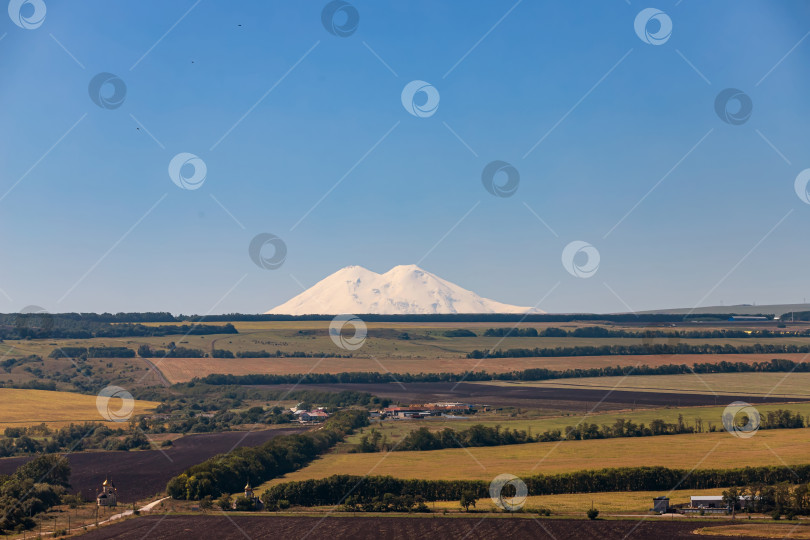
280, 110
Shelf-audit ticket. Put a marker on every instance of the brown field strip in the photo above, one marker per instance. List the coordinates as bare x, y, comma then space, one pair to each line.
788, 385
394, 527
184, 369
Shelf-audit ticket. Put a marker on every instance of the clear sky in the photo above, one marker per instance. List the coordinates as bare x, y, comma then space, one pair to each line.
614, 134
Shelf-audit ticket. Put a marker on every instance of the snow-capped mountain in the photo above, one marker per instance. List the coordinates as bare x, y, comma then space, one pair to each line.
405, 289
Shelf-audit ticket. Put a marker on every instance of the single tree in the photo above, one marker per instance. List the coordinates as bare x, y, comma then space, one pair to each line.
467, 499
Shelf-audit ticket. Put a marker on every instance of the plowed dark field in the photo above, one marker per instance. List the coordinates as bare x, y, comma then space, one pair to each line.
142, 474
290, 528
532, 397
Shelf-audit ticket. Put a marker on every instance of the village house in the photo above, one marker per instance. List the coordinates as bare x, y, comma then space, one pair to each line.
318, 415
428, 409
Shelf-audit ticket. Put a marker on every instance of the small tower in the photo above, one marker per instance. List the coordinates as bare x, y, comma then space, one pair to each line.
248, 491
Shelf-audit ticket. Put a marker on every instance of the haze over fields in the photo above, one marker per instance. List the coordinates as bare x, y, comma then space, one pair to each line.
405, 289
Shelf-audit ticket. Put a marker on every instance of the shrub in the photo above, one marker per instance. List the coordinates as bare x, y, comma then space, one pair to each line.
592, 513
224, 502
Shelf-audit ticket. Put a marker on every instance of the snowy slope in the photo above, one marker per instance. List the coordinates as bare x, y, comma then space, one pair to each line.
405, 289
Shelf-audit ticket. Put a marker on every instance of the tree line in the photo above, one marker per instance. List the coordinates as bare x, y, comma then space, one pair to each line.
73, 326
480, 435
534, 374
601, 332
92, 352
778, 499
334, 489
647, 348
282, 354
72, 438
226, 473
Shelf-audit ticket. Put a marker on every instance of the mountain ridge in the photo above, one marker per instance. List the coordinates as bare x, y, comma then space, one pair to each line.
404, 289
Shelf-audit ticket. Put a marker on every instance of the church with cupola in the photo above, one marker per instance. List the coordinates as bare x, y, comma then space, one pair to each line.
108, 496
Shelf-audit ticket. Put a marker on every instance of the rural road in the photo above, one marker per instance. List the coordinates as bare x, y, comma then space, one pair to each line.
163, 380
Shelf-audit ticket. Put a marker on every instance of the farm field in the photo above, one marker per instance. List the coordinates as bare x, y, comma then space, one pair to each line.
384, 339
704, 450
792, 531
141, 474
394, 430
184, 369
548, 401
754, 384
21, 408
67, 374
395, 527
575, 504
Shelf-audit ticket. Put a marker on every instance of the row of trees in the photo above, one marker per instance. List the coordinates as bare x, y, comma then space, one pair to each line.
282, 354
72, 438
535, 374
602, 332
778, 499
33, 488
92, 352
41, 325
645, 348
335, 489
226, 473
146, 351
479, 435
